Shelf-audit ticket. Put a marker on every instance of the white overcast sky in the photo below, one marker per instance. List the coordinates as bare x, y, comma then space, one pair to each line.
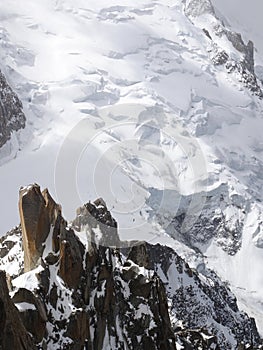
245, 16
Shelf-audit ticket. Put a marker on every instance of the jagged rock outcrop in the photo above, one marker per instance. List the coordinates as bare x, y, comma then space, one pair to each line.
13, 334
38, 212
247, 50
12, 117
80, 293
199, 302
98, 221
90, 307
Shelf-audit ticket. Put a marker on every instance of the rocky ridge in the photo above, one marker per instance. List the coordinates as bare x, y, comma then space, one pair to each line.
221, 218
12, 117
78, 286
239, 59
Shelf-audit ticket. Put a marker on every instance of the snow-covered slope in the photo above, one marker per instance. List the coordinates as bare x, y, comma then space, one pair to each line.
153, 106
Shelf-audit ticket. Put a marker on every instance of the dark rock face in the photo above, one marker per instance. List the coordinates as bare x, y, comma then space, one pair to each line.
12, 117
71, 255
86, 295
34, 319
13, 334
201, 303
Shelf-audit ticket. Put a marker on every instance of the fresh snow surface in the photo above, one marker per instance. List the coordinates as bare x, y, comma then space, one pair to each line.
28, 280
120, 99
25, 306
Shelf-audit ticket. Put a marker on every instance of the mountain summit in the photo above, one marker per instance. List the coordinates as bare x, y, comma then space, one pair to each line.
77, 286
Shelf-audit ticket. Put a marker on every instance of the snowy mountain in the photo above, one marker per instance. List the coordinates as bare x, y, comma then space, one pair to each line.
154, 106
79, 286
